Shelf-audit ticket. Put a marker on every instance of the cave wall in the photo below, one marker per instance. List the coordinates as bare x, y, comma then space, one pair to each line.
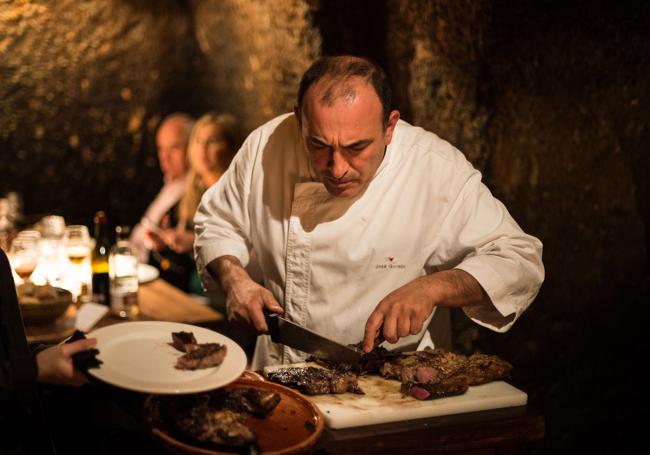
548, 99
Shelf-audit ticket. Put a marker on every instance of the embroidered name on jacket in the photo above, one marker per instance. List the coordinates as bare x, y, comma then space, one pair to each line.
390, 262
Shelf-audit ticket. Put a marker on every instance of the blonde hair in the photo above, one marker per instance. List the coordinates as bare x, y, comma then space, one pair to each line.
194, 186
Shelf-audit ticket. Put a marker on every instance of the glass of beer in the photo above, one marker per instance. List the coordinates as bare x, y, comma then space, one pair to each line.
23, 256
76, 240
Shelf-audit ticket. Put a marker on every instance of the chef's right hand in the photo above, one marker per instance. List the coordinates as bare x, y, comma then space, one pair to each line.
245, 304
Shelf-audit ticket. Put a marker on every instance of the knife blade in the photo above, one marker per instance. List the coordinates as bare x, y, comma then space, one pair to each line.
298, 337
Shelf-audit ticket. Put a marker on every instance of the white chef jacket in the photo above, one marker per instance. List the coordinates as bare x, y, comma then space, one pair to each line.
329, 261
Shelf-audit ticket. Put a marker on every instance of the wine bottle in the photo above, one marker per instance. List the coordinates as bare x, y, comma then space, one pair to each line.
99, 260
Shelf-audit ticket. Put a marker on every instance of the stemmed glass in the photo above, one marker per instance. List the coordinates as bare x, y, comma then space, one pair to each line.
23, 256
77, 243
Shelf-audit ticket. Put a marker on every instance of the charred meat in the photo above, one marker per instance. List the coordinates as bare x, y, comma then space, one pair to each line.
453, 385
483, 368
204, 355
218, 417
428, 366
255, 402
181, 339
316, 381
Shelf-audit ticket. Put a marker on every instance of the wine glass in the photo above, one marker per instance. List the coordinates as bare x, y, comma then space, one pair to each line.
77, 243
23, 255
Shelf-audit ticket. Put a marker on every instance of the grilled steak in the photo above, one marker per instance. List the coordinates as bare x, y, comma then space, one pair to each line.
251, 401
180, 339
452, 385
484, 368
204, 355
218, 417
316, 381
192, 417
427, 367
424, 375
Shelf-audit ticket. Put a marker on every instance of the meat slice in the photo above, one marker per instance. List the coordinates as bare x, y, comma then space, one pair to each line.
258, 403
453, 385
316, 381
193, 417
483, 368
219, 416
181, 339
204, 355
426, 367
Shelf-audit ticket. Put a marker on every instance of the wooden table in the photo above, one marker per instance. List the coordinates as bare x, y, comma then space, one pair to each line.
497, 431
159, 301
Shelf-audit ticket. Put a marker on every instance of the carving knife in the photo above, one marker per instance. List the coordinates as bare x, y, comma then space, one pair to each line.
298, 337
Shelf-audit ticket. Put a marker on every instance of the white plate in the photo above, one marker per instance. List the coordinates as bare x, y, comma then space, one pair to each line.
147, 273
137, 356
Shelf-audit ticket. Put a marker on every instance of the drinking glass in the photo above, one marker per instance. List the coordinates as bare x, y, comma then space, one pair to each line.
24, 256
52, 227
76, 240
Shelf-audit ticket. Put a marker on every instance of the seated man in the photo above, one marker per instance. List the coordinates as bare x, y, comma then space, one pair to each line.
172, 139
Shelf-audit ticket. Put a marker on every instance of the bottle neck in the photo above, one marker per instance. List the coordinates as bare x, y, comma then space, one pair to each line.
101, 232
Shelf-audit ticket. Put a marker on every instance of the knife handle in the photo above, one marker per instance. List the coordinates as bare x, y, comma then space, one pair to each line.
272, 324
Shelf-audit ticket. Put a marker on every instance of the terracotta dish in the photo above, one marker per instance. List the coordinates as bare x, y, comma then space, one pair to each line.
293, 428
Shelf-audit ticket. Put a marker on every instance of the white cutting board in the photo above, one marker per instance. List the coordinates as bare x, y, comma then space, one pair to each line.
383, 402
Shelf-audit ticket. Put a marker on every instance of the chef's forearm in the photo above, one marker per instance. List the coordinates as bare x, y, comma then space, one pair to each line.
456, 288
227, 270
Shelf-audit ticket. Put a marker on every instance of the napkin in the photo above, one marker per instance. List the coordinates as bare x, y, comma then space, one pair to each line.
88, 315
84, 360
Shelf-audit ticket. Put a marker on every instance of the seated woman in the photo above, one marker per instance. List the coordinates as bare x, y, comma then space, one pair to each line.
214, 140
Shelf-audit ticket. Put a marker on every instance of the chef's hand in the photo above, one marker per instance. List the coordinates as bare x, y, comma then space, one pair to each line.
245, 299
404, 311
401, 313
55, 363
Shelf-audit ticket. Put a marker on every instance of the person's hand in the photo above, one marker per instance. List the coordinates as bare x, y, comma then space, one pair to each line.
245, 299
55, 363
180, 241
401, 313
404, 311
245, 303
154, 241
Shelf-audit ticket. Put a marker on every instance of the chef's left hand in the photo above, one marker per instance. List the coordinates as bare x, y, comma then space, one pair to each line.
404, 311
401, 313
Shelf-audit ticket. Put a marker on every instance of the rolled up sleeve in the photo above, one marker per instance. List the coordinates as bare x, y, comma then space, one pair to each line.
221, 222
481, 238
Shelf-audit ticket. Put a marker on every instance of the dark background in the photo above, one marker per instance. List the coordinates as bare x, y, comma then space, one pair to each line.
549, 99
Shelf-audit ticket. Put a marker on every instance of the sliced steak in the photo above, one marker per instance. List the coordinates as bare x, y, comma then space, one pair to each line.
181, 339
255, 402
204, 355
453, 385
316, 381
428, 366
484, 368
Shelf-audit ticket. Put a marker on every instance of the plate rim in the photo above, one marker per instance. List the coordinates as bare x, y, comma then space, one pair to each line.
239, 354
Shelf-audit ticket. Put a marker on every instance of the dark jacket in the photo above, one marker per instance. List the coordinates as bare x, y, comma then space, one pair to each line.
23, 428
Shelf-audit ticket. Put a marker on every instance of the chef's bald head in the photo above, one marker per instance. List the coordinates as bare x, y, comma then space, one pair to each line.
337, 74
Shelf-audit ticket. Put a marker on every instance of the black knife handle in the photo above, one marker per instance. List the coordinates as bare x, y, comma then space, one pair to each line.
272, 324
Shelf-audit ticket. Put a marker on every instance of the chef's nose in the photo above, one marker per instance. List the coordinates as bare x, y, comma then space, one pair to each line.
338, 165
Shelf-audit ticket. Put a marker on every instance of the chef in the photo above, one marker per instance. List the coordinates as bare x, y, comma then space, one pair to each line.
360, 224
